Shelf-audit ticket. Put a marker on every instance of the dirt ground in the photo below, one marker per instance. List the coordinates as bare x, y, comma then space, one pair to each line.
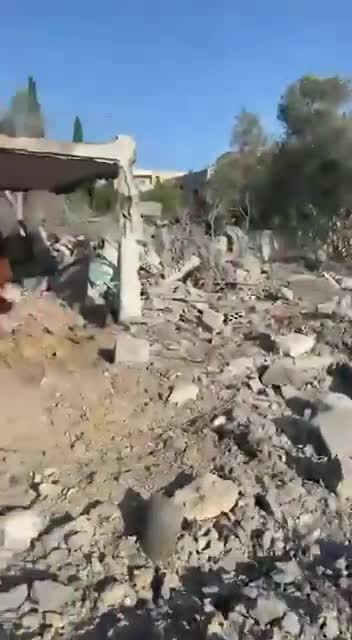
87, 443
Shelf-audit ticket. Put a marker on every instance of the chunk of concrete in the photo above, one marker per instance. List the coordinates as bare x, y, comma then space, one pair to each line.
287, 293
212, 320
268, 609
310, 362
183, 392
164, 519
50, 595
206, 497
295, 344
115, 595
238, 367
280, 373
130, 302
19, 528
335, 424
12, 599
131, 350
291, 624
346, 283
189, 266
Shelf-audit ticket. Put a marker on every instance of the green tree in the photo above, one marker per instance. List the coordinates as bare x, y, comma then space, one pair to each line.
310, 176
247, 133
233, 185
312, 106
77, 130
168, 194
24, 116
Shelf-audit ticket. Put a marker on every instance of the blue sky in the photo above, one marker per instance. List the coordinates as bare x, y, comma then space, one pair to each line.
171, 74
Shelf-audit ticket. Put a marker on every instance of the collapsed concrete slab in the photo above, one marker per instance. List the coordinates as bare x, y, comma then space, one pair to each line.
31, 163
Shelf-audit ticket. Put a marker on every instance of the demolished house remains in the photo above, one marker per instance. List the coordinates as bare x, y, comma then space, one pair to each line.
38, 164
194, 481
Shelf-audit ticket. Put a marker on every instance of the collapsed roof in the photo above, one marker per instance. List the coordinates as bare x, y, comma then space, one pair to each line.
36, 163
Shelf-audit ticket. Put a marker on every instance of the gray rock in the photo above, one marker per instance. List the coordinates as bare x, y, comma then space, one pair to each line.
31, 621
335, 423
131, 350
346, 283
164, 519
19, 528
53, 619
115, 595
238, 367
295, 344
183, 392
287, 293
282, 373
206, 497
291, 624
12, 599
58, 557
331, 628
212, 320
52, 596
268, 609
15, 492
287, 572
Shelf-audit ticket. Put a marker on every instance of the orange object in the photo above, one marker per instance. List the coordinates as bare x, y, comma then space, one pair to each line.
5, 271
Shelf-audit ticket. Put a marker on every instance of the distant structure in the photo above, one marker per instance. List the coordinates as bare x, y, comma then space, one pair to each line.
145, 179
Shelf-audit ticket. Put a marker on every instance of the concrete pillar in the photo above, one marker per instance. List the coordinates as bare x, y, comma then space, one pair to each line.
131, 228
130, 303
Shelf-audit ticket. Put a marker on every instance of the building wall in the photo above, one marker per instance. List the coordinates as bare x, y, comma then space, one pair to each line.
147, 178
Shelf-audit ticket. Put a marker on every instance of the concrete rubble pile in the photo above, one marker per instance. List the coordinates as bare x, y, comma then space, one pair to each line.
199, 481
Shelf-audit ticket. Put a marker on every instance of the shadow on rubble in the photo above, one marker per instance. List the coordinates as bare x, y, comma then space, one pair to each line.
70, 283
341, 379
134, 513
183, 615
313, 460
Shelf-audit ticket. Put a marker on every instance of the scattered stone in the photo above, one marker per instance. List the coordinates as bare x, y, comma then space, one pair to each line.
15, 492
164, 519
19, 528
183, 392
295, 344
238, 367
291, 624
311, 362
287, 572
52, 596
331, 627
142, 582
269, 609
282, 373
206, 497
31, 621
334, 421
212, 320
287, 293
12, 599
189, 266
115, 595
346, 283
131, 350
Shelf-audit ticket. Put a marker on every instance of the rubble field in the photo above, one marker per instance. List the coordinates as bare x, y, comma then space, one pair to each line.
187, 477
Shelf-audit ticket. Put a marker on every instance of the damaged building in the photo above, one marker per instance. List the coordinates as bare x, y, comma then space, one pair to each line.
35, 172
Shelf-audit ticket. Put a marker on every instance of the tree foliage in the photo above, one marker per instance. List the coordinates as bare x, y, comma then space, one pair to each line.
310, 179
24, 116
301, 181
77, 130
169, 195
233, 185
247, 133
